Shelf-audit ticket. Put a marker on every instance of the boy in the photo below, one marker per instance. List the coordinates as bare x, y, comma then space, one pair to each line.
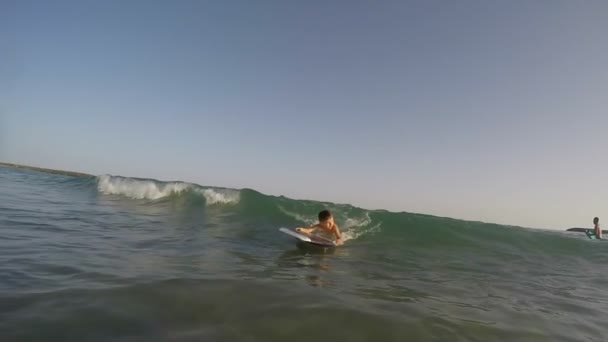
597, 229
326, 225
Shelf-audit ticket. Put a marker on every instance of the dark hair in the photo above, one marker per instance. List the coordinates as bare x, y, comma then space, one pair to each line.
324, 215
595, 220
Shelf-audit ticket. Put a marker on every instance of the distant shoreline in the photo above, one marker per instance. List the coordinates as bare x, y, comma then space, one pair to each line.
41, 169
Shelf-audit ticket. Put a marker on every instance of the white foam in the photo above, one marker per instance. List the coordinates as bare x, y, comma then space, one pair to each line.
153, 190
223, 196
357, 222
356, 227
310, 220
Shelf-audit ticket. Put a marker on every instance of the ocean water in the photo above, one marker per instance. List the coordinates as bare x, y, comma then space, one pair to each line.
113, 258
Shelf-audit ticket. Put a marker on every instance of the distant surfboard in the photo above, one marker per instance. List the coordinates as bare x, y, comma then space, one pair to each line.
315, 240
590, 234
583, 230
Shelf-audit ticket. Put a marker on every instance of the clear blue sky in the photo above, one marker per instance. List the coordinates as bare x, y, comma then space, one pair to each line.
488, 110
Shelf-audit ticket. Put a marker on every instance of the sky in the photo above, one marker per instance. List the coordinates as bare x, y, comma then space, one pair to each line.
485, 110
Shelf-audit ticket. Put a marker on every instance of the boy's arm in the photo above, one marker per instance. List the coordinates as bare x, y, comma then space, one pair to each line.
338, 235
337, 232
306, 230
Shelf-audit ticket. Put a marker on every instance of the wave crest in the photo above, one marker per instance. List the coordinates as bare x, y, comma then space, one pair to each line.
154, 190
223, 196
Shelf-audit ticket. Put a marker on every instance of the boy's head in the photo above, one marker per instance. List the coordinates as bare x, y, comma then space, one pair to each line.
595, 220
325, 217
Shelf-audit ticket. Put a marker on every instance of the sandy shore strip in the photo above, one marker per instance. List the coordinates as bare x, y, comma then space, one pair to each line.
40, 169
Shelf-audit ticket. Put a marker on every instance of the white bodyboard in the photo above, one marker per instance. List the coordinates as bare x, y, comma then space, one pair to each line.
315, 240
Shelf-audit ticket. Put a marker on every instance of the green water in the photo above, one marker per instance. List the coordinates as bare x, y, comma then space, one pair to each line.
123, 259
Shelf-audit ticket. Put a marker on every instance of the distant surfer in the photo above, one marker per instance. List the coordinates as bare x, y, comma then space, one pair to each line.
326, 226
596, 228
